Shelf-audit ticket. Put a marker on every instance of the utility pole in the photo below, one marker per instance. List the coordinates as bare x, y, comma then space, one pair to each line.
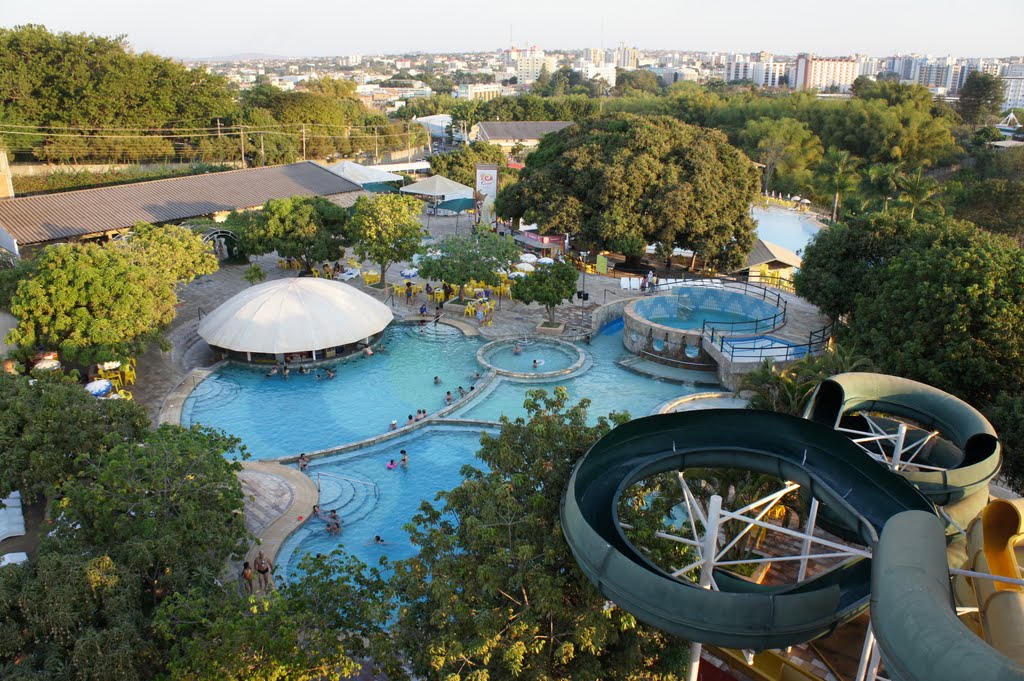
303, 141
218, 128
241, 139
376, 148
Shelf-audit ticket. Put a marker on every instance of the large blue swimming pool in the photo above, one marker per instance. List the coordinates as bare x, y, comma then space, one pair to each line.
788, 229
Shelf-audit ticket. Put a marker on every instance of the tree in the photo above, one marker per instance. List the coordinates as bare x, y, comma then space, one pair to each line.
882, 182
844, 260
1006, 413
786, 145
494, 592
981, 97
787, 389
336, 607
460, 165
917, 190
458, 260
949, 313
254, 274
92, 303
167, 508
339, 88
549, 285
309, 229
48, 424
387, 229
176, 253
837, 175
624, 181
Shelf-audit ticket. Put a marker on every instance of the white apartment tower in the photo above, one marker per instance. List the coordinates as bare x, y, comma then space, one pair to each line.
825, 72
767, 73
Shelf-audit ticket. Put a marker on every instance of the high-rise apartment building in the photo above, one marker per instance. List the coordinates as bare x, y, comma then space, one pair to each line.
627, 57
767, 73
823, 73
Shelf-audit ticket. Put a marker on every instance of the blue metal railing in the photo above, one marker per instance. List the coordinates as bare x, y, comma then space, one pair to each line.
816, 342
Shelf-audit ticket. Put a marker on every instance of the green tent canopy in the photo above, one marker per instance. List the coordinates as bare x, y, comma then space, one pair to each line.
457, 205
380, 188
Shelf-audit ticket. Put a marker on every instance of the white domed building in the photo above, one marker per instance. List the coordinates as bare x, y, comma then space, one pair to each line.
303, 319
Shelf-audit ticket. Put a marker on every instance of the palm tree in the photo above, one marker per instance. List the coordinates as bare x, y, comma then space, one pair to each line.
837, 173
917, 190
883, 181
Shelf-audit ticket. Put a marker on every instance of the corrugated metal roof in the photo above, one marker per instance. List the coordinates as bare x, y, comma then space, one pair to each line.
67, 215
766, 252
518, 130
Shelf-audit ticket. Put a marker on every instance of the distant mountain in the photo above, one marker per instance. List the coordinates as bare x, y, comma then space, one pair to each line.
244, 56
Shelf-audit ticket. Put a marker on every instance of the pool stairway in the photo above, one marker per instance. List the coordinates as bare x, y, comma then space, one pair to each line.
664, 372
352, 498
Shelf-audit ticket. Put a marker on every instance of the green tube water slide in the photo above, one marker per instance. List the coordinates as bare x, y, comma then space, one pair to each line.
969, 452
912, 613
860, 494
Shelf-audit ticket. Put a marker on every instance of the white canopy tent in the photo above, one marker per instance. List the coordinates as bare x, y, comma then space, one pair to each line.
353, 172
294, 316
439, 188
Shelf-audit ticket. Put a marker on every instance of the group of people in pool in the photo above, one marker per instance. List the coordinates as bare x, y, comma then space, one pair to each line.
283, 371
403, 461
332, 519
517, 349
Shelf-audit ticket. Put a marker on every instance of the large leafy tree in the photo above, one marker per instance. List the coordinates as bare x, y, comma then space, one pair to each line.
784, 145
96, 302
495, 593
48, 424
549, 285
459, 260
624, 181
309, 229
844, 260
460, 165
336, 607
980, 97
950, 314
386, 229
168, 508
920, 192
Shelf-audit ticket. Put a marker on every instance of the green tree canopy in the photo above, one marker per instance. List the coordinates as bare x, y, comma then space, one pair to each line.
386, 229
949, 313
549, 285
459, 260
495, 592
336, 607
460, 165
46, 426
785, 146
97, 302
310, 229
837, 175
624, 181
981, 98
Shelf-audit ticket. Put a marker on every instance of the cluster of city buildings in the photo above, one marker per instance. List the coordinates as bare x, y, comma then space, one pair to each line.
485, 76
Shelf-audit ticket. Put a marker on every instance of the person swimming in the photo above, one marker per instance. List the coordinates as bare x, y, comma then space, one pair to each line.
538, 363
391, 465
437, 380
331, 373
405, 458
516, 349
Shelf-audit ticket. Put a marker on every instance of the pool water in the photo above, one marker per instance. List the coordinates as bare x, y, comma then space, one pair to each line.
788, 229
372, 500
278, 417
608, 386
764, 347
694, 319
551, 357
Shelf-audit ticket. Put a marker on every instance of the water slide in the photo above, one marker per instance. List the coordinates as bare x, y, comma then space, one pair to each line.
861, 496
968, 449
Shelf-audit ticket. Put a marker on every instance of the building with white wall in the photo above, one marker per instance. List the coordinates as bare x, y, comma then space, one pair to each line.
822, 73
763, 73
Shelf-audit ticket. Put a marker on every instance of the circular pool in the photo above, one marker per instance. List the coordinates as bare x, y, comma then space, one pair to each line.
670, 325
533, 358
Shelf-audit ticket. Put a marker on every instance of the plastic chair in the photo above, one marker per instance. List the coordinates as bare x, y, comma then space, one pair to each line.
128, 375
115, 380
470, 310
125, 395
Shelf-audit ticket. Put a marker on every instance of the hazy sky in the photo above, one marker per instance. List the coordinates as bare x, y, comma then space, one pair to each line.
193, 28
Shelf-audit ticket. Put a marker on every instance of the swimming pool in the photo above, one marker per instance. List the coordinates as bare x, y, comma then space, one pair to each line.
788, 229
609, 386
534, 357
373, 500
278, 417
694, 318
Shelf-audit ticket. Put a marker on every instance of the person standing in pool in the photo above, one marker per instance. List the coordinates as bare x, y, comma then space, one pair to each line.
516, 350
405, 458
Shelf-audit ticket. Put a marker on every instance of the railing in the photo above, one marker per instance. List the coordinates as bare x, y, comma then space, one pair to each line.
391, 299
202, 312
682, 364
816, 342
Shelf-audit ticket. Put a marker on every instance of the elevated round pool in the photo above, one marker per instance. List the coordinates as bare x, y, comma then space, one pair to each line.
533, 358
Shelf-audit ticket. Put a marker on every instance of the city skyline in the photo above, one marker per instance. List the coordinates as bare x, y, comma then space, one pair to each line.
204, 30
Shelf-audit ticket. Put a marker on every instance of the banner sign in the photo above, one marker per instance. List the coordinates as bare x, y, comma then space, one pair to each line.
486, 193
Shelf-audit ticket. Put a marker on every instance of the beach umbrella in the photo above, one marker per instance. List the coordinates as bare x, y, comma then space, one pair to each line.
525, 267
527, 257
99, 388
546, 261
517, 275
795, 198
46, 365
109, 366
805, 200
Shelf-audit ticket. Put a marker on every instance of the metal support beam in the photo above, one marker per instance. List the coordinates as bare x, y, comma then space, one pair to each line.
710, 545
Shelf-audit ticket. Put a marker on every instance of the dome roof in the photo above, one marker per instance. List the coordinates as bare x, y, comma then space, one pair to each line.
294, 315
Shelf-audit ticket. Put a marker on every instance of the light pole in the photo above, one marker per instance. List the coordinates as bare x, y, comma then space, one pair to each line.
583, 293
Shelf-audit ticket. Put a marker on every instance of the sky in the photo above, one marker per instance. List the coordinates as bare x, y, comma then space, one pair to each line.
211, 28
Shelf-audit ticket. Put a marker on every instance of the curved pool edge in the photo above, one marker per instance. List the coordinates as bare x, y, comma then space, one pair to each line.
174, 401
486, 348
670, 406
304, 496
